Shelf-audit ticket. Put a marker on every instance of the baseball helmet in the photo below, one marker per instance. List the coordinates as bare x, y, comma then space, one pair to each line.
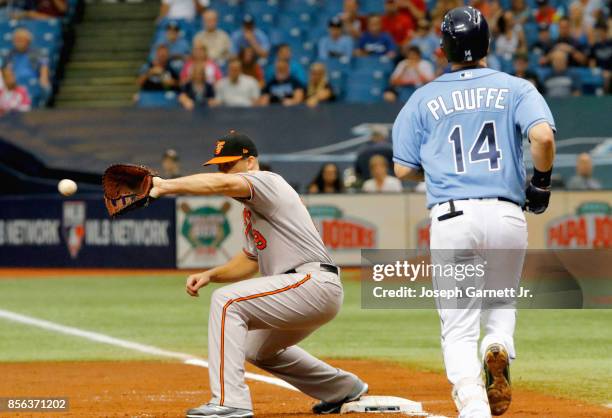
465, 35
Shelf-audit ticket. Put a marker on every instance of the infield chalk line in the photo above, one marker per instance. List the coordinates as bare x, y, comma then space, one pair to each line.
130, 345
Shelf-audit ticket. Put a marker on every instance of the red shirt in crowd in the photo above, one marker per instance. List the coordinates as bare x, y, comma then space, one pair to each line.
399, 26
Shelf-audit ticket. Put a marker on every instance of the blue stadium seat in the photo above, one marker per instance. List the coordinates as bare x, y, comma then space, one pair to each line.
304, 6
404, 93
332, 8
290, 21
592, 79
167, 99
259, 8
367, 77
367, 7
278, 36
542, 72
531, 33
373, 63
356, 93
333, 64
337, 79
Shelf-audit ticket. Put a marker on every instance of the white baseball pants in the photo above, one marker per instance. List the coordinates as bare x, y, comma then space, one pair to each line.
486, 224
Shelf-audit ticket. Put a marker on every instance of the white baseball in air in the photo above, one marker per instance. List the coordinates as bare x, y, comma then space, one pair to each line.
67, 187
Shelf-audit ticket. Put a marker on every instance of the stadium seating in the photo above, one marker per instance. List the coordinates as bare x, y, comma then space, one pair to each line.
167, 99
301, 23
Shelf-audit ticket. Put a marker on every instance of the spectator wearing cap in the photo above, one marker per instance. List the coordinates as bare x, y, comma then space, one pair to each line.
521, 69
584, 180
284, 52
567, 43
26, 62
250, 36
197, 92
171, 167
199, 55
282, 88
216, 40
181, 9
13, 98
600, 53
158, 74
561, 82
178, 47
426, 39
544, 13
353, 24
375, 41
237, 89
399, 25
335, 45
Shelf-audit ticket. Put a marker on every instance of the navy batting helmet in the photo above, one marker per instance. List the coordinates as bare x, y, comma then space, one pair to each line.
465, 35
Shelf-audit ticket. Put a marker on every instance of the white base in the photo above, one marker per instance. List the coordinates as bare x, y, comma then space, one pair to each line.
385, 405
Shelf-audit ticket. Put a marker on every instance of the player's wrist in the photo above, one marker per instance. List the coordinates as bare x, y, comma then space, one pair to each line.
541, 179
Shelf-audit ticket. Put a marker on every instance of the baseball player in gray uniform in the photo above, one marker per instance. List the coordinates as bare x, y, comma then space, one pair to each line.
262, 319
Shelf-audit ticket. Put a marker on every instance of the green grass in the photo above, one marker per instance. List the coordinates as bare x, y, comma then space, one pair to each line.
560, 352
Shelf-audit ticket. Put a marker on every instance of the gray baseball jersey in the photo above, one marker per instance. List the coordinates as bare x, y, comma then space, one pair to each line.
279, 231
262, 319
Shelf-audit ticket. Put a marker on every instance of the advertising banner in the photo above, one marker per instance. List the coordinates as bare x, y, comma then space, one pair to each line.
350, 223
209, 231
54, 232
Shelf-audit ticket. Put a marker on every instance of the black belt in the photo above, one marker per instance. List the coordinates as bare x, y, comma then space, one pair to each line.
451, 203
325, 267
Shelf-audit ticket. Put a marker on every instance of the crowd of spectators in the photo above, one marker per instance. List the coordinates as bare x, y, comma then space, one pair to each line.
31, 40
564, 48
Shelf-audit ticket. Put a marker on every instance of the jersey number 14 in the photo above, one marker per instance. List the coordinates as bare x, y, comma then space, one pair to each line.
484, 148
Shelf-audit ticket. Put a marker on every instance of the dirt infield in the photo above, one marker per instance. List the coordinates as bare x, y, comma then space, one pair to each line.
158, 389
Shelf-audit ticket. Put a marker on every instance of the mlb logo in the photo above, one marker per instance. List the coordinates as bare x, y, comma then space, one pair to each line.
73, 226
467, 74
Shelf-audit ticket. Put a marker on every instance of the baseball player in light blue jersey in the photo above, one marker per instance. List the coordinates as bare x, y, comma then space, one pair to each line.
463, 134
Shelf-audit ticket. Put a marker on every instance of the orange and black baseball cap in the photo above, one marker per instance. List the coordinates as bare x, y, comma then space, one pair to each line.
233, 147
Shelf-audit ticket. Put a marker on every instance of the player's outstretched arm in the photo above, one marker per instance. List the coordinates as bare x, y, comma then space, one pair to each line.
231, 185
408, 173
240, 267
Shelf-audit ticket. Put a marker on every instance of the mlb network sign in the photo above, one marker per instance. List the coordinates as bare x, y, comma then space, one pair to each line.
56, 232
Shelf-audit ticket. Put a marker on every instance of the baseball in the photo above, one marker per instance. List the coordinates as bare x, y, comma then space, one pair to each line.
67, 187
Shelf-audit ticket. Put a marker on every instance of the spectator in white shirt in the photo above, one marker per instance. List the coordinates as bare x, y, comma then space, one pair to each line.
413, 72
237, 89
381, 181
216, 40
181, 9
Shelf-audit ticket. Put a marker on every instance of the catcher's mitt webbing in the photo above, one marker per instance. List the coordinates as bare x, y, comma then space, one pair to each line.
126, 187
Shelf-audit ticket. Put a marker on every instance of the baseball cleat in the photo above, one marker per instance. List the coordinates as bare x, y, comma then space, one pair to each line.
325, 408
216, 411
497, 375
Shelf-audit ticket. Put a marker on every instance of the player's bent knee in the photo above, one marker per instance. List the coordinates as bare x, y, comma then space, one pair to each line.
220, 297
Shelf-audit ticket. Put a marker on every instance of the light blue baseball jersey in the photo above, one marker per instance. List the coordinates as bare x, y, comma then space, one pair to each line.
465, 130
